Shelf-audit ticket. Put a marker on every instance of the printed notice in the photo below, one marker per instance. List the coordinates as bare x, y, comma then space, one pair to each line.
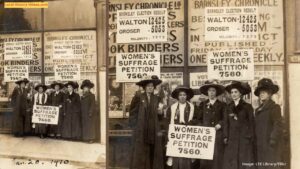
191, 142
142, 25
45, 114
231, 65
231, 23
132, 67
15, 73
21, 50
67, 72
68, 49
197, 79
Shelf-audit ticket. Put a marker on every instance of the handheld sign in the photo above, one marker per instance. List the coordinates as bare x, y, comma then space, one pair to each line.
191, 142
45, 114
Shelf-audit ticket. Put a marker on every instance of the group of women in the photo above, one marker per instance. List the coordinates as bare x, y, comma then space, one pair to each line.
77, 115
245, 138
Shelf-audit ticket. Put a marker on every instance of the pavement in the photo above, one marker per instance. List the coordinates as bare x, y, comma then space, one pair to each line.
33, 152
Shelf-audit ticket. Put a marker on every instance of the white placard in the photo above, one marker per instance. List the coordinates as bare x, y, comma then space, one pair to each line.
191, 141
142, 25
21, 50
197, 79
15, 73
230, 65
67, 72
132, 67
231, 23
45, 114
68, 49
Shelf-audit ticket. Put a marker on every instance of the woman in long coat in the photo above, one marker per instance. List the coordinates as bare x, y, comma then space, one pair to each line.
40, 98
57, 99
268, 125
19, 102
72, 126
145, 115
182, 113
211, 114
239, 128
88, 112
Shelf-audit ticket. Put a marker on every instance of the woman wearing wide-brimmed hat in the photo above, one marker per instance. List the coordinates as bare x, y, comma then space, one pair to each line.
268, 124
40, 98
145, 115
181, 113
211, 114
88, 112
239, 135
57, 99
19, 102
71, 127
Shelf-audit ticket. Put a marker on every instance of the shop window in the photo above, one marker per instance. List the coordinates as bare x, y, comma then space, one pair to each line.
70, 14
20, 19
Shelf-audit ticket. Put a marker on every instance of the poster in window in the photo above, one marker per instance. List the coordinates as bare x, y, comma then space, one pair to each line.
76, 47
171, 51
31, 55
257, 26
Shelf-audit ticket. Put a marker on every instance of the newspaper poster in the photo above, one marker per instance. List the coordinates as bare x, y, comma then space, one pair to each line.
231, 23
194, 142
132, 67
68, 49
18, 50
84, 52
197, 79
45, 114
67, 72
230, 65
14, 73
29, 51
171, 50
142, 25
265, 21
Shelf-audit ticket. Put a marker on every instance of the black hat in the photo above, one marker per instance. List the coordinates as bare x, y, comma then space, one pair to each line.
149, 79
87, 83
25, 80
73, 84
243, 87
189, 92
40, 85
212, 83
266, 84
57, 83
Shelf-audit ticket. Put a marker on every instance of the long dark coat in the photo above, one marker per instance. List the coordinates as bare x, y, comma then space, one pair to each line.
268, 127
88, 116
41, 128
239, 129
147, 150
72, 117
57, 100
209, 116
21, 117
178, 162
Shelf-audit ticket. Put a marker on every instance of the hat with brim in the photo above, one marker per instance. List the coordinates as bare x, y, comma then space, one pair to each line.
212, 84
243, 87
149, 79
25, 80
189, 92
57, 83
87, 83
37, 87
266, 85
73, 84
